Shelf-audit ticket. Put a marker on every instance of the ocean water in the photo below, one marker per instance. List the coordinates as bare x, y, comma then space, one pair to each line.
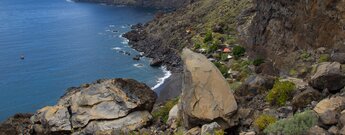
65, 44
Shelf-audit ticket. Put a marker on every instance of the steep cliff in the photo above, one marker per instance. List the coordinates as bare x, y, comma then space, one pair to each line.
280, 30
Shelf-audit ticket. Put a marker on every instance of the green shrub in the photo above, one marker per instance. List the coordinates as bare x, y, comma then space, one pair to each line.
212, 48
264, 120
163, 111
243, 67
324, 58
208, 37
224, 57
305, 56
296, 125
293, 72
197, 46
280, 93
238, 51
219, 132
258, 61
222, 68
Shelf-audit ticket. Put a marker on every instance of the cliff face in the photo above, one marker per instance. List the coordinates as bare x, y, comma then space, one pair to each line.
280, 28
144, 3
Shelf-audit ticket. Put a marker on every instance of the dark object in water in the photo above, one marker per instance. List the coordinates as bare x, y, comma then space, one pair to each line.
136, 58
22, 57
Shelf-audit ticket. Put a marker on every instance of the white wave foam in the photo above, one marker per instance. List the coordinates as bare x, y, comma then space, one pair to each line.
70, 1
125, 41
160, 81
138, 65
117, 48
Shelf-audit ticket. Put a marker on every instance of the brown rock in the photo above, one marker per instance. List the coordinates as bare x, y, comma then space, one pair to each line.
332, 104
206, 95
329, 117
333, 130
316, 130
301, 100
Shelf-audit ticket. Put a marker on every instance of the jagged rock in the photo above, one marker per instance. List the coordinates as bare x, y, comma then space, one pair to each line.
53, 119
131, 122
338, 57
316, 130
19, 124
156, 62
328, 76
193, 131
206, 95
333, 130
333, 104
104, 105
173, 117
304, 98
329, 117
300, 84
209, 129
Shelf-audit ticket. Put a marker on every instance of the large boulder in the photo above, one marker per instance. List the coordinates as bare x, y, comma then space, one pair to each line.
328, 76
206, 95
104, 105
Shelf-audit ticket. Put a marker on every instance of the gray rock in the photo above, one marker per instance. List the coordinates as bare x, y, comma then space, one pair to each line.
209, 129
131, 122
173, 117
254, 85
53, 119
328, 76
338, 57
206, 94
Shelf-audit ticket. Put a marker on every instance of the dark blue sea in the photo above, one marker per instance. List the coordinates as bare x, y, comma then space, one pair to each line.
64, 44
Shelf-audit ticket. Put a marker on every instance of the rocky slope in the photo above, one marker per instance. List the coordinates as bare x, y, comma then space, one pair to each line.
144, 3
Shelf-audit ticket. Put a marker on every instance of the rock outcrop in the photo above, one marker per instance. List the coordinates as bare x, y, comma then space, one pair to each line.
279, 28
106, 105
328, 76
206, 95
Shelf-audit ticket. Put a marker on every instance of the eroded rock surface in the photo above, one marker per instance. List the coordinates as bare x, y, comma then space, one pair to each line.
206, 95
117, 104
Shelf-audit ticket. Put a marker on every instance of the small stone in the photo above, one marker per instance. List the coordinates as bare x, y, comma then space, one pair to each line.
193, 131
333, 130
316, 130
210, 128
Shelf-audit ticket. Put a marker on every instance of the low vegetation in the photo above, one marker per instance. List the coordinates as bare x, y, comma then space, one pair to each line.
222, 68
296, 125
264, 120
238, 51
324, 58
163, 111
280, 93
